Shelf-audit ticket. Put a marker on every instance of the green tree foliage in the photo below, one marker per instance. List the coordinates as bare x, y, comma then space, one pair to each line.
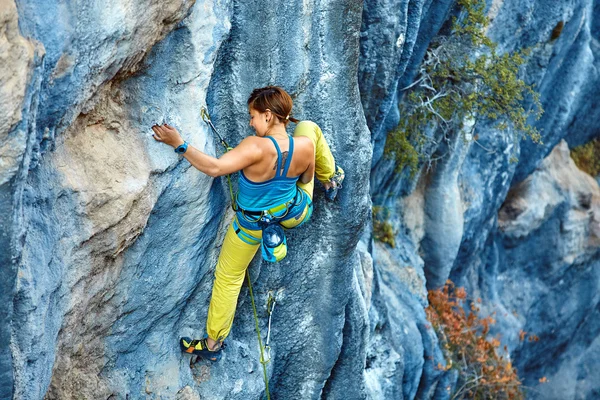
463, 79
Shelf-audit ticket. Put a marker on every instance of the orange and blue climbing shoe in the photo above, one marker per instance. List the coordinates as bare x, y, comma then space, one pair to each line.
200, 348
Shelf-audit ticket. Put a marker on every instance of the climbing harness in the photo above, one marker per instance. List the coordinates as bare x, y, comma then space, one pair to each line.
273, 242
279, 212
206, 118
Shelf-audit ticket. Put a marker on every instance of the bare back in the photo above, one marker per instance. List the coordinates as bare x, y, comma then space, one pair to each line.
302, 158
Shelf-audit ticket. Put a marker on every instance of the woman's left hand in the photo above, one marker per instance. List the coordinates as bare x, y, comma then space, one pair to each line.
167, 134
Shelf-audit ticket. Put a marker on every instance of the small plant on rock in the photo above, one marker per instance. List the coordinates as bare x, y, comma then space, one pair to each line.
482, 372
382, 228
463, 79
587, 157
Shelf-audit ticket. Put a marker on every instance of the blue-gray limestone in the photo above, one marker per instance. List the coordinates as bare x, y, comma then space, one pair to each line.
548, 277
563, 67
108, 240
564, 72
316, 58
117, 237
20, 60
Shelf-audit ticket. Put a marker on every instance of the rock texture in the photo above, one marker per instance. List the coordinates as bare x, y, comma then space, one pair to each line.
19, 58
109, 240
548, 249
120, 237
564, 68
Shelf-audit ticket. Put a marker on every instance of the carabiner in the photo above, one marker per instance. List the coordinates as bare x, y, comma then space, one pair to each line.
253, 221
204, 114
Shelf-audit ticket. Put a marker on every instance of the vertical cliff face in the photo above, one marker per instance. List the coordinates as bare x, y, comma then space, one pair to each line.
563, 66
91, 184
311, 51
117, 238
547, 275
18, 79
450, 221
110, 239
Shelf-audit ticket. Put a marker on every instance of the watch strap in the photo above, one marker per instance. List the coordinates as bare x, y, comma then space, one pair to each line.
182, 148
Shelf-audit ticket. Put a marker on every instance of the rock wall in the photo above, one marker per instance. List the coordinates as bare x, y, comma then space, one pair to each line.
18, 80
110, 240
433, 210
548, 245
118, 238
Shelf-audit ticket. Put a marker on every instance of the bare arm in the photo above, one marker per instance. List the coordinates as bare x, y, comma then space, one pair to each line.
240, 157
309, 174
309, 151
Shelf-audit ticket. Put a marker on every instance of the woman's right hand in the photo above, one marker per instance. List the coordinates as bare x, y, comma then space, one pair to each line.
167, 134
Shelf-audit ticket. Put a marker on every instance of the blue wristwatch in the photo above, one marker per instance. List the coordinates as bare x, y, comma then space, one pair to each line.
182, 148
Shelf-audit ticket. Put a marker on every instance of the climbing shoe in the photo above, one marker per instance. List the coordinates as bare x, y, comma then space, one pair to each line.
336, 183
199, 347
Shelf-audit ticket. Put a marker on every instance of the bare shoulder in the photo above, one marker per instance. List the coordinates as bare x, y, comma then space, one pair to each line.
304, 145
251, 147
303, 141
252, 142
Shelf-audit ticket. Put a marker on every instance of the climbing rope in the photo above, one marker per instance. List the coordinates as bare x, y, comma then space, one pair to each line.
262, 352
206, 118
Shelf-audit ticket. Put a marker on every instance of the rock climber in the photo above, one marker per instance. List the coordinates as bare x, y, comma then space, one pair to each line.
276, 181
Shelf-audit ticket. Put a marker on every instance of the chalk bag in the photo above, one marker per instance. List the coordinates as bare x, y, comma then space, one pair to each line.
273, 245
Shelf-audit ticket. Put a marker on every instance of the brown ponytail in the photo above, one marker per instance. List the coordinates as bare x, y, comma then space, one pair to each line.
275, 99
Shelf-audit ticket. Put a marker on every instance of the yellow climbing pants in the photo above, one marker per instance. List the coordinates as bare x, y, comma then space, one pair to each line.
236, 254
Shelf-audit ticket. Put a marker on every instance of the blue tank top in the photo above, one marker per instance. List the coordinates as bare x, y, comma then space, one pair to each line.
261, 196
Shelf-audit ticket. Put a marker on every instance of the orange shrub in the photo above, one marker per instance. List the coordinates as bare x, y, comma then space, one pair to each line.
483, 373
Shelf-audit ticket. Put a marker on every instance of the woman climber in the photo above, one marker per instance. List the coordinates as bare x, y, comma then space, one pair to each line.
276, 182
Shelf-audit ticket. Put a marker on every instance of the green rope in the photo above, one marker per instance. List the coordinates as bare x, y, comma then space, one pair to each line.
206, 118
262, 355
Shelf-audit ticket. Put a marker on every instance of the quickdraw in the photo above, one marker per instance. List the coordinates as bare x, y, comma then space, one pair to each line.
206, 118
271, 301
